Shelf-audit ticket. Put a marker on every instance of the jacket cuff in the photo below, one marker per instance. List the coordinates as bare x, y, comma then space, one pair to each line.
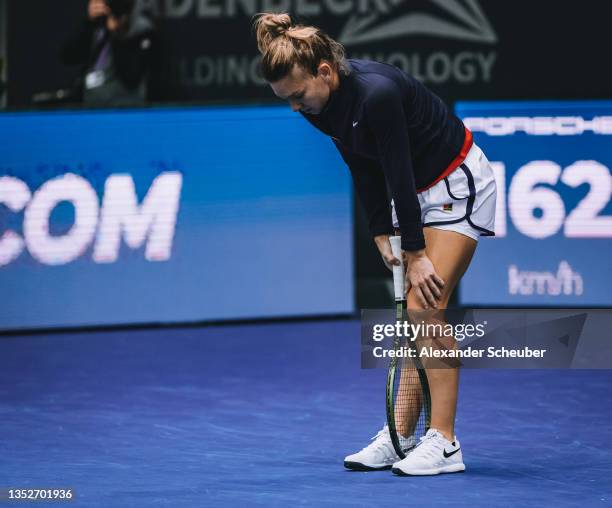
410, 244
382, 229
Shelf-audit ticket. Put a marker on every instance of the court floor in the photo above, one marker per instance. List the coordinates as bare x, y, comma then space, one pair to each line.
263, 414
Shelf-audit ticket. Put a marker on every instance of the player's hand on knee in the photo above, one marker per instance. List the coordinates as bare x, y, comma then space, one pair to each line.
384, 247
422, 279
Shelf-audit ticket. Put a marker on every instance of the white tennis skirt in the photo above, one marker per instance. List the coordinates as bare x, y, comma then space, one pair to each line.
464, 201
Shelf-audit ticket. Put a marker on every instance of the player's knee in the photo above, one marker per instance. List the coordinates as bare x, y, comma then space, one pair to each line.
414, 303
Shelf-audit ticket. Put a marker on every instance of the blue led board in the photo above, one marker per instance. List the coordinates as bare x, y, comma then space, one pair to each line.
552, 164
170, 215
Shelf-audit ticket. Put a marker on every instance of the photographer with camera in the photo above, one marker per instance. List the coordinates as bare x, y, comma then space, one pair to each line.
117, 49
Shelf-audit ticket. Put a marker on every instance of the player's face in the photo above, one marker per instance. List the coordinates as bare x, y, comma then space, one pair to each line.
305, 92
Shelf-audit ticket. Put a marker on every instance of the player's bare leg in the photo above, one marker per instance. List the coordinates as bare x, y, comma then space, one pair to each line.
450, 253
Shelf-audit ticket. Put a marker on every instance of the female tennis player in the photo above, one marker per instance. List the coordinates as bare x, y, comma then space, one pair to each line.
396, 137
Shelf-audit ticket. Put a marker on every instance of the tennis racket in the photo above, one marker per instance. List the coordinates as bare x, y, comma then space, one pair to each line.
408, 398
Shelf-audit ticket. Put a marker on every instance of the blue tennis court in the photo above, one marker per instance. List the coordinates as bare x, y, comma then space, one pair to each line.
263, 414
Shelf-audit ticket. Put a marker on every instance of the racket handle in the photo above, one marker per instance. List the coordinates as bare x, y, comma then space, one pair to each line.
398, 271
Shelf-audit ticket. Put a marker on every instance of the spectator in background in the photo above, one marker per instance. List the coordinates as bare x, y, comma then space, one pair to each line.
117, 49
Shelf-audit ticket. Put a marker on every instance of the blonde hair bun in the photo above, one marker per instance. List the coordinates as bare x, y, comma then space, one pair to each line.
284, 44
269, 26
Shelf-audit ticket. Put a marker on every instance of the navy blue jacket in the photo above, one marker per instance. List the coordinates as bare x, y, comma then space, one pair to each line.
393, 133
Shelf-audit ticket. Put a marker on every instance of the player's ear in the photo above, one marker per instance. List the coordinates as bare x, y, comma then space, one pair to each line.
325, 70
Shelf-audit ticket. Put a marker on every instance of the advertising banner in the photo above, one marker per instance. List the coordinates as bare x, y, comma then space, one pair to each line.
170, 215
553, 241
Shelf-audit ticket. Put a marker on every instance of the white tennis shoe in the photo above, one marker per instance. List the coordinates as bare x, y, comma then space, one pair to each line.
433, 455
379, 454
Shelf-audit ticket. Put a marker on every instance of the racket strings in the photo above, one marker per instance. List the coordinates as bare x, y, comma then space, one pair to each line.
410, 407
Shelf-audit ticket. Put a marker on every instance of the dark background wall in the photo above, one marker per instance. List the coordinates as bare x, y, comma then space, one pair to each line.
461, 49
36, 31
